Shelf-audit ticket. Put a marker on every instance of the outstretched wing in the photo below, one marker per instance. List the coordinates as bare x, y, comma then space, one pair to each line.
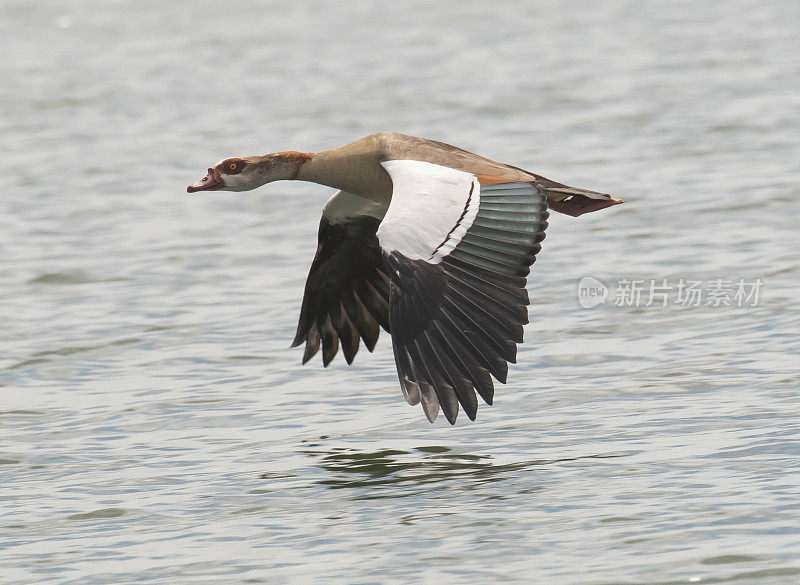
458, 251
347, 290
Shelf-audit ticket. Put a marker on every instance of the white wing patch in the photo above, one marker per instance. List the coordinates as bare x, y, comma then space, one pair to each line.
432, 208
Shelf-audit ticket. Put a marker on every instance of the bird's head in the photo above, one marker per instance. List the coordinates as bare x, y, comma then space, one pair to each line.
248, 172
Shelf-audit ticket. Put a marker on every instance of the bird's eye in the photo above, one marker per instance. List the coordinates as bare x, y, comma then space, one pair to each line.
232, 166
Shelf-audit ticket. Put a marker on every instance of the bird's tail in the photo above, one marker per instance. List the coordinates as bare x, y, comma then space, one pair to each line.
572, 200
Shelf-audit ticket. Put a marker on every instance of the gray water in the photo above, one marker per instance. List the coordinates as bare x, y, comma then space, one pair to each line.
156, 428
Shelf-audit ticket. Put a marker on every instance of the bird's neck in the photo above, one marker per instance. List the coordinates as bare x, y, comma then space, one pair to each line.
352, 168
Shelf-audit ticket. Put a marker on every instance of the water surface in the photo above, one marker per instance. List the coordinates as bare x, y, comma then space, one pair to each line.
154, 425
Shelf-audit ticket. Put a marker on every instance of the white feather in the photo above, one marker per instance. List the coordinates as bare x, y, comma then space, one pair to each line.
428, 202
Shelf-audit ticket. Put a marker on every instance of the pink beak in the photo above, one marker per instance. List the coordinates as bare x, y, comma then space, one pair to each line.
211, 182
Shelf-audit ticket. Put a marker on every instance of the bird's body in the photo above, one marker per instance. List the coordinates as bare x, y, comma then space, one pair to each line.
426, 240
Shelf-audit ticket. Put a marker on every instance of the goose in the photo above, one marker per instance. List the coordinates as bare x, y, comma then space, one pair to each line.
430, 242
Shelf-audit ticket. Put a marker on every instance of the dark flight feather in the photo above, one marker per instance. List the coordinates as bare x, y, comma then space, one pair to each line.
346, 296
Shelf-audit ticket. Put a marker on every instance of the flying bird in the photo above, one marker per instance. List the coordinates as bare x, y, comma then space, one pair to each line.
430, 242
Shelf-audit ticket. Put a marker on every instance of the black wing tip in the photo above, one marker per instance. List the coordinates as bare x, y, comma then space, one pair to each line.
349, 357
503, 375
309, 353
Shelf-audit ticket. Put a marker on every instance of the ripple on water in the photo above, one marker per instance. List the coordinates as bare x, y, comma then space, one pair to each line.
101, 514
76, 277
